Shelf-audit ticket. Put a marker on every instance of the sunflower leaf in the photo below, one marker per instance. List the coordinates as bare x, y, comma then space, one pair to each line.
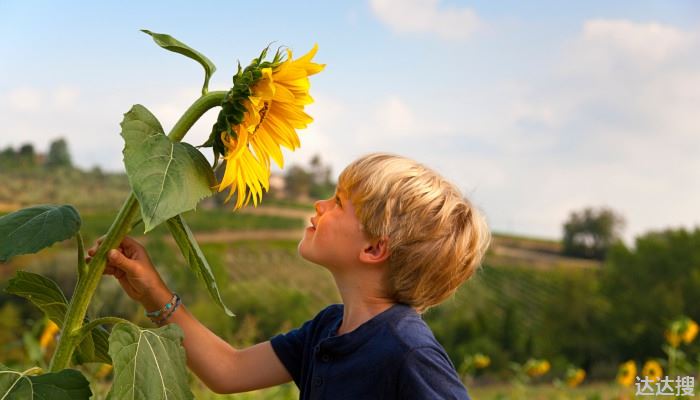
46, 295
34, 228
43, 292
168, 178
148, 363
68, 384
170, 43
195, 258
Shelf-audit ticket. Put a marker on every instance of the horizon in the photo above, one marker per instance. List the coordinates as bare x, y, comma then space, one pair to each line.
534, 110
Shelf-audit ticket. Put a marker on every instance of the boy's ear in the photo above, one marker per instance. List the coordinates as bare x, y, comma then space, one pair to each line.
375, 252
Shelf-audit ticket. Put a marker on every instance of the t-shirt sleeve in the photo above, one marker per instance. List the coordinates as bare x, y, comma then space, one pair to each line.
427, 373
289, 348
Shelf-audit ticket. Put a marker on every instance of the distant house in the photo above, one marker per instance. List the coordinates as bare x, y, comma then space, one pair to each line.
277, 185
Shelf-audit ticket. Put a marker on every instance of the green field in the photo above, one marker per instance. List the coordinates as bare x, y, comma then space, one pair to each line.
526, 301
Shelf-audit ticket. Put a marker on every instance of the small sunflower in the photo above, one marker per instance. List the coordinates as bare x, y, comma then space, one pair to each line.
652, 370
103, 371
574, 376
626, 373
535, 367
481, 361
691, 331
259, 115
681, 330
673, 338
48, 336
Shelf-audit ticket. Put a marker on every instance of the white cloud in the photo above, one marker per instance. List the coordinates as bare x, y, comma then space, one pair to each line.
426, 16
30, 99
620, 113
642, 42
64, 97
395, 117
22, 99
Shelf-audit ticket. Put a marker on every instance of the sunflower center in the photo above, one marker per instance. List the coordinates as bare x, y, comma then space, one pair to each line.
263, 112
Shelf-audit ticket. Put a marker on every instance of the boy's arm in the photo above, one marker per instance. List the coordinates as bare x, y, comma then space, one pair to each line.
221, 367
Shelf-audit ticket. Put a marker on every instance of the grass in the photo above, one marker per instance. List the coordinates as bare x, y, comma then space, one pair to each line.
96, 224
593, 391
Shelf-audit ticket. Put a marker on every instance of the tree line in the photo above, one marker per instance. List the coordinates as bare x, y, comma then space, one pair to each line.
27, 157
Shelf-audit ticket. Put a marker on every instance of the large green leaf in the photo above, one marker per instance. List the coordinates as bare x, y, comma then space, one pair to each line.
68, 384
148, 363
32, 229
195, 258
49, 298
170, 43
167, 178
42, 292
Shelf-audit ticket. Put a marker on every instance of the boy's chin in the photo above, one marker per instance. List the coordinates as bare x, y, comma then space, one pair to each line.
307, 255
303, 251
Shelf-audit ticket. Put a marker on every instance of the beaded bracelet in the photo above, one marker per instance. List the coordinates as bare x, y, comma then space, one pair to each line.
165, 308
165, 317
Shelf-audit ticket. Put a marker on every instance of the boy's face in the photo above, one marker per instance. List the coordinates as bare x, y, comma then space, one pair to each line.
334, 238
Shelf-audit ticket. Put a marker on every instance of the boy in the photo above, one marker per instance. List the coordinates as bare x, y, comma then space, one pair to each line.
398, 239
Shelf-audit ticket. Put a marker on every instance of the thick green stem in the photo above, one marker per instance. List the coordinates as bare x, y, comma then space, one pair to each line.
82, 266
129, 213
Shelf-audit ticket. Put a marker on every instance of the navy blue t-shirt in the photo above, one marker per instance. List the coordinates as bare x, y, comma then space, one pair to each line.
392, 356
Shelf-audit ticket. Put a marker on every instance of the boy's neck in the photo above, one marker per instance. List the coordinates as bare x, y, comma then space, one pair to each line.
362, 300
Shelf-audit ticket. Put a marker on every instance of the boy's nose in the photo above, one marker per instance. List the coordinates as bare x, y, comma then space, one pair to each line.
320, 206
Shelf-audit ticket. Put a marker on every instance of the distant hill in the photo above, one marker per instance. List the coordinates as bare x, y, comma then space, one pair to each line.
98, 192
86, 190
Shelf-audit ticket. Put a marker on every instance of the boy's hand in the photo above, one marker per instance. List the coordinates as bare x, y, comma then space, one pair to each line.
132, 266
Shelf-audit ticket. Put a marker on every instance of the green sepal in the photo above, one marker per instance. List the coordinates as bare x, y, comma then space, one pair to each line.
232, 108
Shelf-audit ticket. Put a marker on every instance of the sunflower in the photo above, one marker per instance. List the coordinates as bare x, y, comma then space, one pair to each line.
681, 330
574, 376
652, 370
48, 336
673, 338
535, 367
691, 331
276, 107
481, 361
244, 173
627, 373
261, 114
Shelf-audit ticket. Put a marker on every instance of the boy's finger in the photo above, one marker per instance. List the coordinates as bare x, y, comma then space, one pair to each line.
120, 261
108, 271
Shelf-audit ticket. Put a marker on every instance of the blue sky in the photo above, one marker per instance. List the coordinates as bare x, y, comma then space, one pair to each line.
534, 109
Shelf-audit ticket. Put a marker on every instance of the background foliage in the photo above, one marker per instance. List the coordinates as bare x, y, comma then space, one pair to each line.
527, 301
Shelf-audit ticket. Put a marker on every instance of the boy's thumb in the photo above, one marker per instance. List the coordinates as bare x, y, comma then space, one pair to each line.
119, 260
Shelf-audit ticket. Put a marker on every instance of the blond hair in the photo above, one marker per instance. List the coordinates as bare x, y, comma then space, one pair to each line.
436, 237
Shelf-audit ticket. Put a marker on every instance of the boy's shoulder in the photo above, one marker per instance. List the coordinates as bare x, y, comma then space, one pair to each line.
399, 329
404, 326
